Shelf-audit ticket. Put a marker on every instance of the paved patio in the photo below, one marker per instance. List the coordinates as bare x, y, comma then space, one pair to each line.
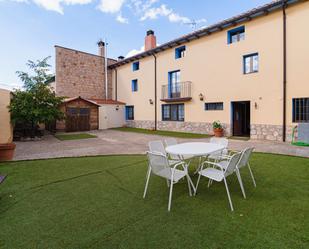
110, 142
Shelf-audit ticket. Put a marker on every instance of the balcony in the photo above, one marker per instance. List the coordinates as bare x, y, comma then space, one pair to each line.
179, 92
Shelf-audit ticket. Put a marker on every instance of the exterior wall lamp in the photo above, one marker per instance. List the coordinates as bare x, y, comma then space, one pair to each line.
117, 107
151, 101
201, 96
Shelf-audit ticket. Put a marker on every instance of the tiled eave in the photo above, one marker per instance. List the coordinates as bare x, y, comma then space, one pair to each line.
228, 23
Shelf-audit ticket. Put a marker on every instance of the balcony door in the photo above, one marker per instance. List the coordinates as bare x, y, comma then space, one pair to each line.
174, 84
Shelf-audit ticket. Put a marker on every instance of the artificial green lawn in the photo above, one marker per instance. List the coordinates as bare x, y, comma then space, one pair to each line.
74, 136
96, 202
162, 133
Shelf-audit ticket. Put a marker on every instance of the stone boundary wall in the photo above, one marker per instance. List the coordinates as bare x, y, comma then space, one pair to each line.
258, 131
191, 127
270, 132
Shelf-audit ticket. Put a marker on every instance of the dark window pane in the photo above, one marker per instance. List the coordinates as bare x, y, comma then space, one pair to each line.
84, 111
300, 110
72, 111
214, 106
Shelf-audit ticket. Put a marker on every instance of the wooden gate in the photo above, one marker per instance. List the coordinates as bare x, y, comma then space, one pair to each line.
78, 119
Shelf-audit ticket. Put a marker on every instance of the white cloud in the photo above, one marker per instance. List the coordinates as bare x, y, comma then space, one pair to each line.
111, 6
144, 9
135, 51
174, 17
122, 19
154, 13
54, 5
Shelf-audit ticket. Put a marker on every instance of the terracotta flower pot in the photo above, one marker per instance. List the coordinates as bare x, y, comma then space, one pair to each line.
218, 132
7, 151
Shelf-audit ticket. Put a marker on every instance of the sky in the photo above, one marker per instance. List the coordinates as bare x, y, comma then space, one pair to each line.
29, 29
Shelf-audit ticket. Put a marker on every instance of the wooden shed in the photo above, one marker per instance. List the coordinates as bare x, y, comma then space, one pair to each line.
80, 115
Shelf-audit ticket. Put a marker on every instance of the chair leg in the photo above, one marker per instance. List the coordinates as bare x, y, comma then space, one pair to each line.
147, 182
170, 196
209, 182
228, 194
199, 165
198, 181
251, 175
167, 183
240, 183
189, 187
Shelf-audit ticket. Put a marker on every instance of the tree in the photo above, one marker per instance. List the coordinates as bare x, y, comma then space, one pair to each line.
35, 104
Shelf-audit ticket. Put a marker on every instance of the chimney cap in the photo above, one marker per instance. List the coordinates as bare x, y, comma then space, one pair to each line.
101, 43
150, 32
120, 57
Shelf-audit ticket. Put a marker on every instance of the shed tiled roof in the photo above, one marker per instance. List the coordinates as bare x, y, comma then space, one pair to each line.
228, 23
107, 102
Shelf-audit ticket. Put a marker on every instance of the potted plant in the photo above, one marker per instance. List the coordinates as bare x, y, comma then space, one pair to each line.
7, 151
217, 128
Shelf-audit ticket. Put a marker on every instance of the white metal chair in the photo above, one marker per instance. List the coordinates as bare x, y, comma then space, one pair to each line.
157, 146
170, 141
159, 165
220, 173
221, 141
243, 161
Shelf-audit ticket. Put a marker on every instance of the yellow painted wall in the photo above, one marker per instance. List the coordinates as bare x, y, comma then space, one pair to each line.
215, 69
6, 132
143, 110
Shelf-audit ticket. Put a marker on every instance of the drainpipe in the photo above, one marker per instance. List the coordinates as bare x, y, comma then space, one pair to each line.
116, 85
155, 88
284, 69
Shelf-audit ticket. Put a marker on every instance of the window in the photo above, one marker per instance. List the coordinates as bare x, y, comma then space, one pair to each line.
173, 112
174, 84
236, 35
251, 63
180, 52
130, 112
218, 106
301, 110
134, 85
135, 66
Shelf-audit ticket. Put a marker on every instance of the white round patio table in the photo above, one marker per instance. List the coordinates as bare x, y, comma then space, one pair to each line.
195, 149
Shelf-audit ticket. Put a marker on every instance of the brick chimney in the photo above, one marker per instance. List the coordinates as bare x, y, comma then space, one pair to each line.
101, 46
150, 40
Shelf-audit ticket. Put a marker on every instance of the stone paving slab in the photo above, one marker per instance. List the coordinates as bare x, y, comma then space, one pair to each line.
109, 142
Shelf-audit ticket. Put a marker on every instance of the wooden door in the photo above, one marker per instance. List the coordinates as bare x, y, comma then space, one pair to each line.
78, 119
241, 118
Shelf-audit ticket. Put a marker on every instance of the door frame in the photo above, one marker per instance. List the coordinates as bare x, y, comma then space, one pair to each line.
248, 102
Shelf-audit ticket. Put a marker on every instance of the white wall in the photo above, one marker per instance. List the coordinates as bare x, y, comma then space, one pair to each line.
109, 117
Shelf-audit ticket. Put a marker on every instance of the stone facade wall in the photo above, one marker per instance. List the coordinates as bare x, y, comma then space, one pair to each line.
81, 74
191, 127
258, 131
270, 132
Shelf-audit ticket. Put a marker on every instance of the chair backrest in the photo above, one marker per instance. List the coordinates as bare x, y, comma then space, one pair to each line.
157, 146
220, 140
158, 162
170, 141
245, 156
232, 164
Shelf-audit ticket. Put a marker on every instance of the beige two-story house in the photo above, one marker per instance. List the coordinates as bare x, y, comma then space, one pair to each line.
250, 72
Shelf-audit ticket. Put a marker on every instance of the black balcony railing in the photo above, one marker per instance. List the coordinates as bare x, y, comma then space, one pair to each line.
176, 92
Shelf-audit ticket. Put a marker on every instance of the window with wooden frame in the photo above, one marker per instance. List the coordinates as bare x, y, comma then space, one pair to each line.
236, 35
130, 112
215, 106
300, 110
173, 112
251, 63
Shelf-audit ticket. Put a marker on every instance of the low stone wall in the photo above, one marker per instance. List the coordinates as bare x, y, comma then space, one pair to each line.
270, 132
258, 131
191, 127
